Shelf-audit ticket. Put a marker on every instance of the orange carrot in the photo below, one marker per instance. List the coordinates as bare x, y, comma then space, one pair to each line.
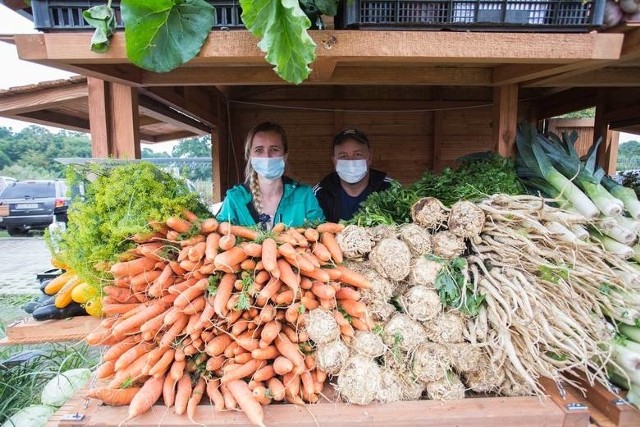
269, 255
162, 365
196, 252
146, 397
178, 224
192, 241
252, 409
270, 289
252, 249
191, 293
308, 388
265, 373
113, 397
154, 324
212, 244
300, 262
353, 308
260, 393
227, 241
276, 389
317, 274
176, 329
285, 297
217, 345
352, 278
323, 291
278, 228
238, 230
132, 354
291, 383
245, 370
269, 333
152, 250
215, 362
321, 251
266, 353
106, 369
223, 294
183, 393
132, 268
311, 235
287, 275
329, 240
228, 260
214, 395
360, 324
209, 225
190, 216
348, 293
282, 365
196, 397
248, 265
116, 351
168, 390
330, 227
177, 369
290, 351
261, 276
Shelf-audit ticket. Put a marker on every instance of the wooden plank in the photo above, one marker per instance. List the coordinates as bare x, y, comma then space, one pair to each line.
33, 332
576, 412
124, 126
505, 119
478, 412
98, 91
47, 97
612, 405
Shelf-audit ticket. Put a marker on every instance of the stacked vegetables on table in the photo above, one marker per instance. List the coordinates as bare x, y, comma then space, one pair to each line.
225, 311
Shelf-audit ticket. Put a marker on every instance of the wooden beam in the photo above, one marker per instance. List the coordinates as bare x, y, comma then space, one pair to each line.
152, 108
519, 73
505, 119
607, 77
55, 119
193, 102
569, 100
49, 98
240, 47
322, 70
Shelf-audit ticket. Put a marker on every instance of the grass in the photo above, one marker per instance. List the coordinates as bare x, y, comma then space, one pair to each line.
24, 370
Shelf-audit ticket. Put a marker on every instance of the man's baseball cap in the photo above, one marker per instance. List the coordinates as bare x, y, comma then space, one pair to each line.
350, 134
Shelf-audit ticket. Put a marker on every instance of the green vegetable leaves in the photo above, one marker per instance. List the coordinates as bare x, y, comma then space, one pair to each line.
283, 27
451, 284
103, 19
164, 34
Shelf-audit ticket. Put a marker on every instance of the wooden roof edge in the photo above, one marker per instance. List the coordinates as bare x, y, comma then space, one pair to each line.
47, 84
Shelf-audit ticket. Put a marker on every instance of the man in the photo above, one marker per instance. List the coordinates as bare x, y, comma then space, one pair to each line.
341, 192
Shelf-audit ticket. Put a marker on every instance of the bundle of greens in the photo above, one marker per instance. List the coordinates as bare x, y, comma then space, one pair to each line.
119, 202
478, 176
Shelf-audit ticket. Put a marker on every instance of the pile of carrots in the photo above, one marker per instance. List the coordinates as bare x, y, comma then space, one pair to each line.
208, 308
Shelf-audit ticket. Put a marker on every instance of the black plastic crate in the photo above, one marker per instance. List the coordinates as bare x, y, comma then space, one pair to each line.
538, 15
53, 15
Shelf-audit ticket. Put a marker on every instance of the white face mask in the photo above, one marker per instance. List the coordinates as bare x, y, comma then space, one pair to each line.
352, 171
270, 168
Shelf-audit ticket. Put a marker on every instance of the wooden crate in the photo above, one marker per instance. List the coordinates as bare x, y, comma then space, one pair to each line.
33, 332
614, 410
485, 411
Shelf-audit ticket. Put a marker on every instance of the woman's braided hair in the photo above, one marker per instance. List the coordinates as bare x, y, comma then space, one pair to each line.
251, 176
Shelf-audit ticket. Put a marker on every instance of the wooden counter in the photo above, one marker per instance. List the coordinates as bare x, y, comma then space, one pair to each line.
34, 332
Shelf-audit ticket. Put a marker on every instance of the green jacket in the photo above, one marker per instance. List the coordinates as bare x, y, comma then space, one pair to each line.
297, 206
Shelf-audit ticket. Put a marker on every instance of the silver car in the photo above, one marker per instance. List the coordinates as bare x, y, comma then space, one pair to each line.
31, 205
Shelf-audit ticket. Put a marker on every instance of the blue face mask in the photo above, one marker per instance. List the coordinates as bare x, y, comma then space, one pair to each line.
352, 171
270, 168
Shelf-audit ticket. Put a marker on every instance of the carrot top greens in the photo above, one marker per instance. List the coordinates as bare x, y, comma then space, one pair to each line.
114, 203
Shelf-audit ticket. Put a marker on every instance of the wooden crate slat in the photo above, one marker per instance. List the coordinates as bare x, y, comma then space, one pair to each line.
34, 332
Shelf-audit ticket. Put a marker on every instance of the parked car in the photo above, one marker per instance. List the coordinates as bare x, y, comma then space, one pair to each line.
31, 205
5, 181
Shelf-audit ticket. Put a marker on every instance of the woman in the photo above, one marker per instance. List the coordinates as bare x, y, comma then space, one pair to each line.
267, 197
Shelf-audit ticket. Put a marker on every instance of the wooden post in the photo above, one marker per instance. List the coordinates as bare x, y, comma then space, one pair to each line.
505, 119
98, 92
113, 120
607, 157
125, 127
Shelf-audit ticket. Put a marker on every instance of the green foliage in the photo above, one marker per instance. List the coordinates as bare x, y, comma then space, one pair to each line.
392, 206
282, 25
21, 384
452, 286
478, 176
628, 156
163, 34
119, 203
29, 154
103, 19
582, 114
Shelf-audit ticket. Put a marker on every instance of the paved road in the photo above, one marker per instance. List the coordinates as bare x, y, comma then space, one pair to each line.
21, 259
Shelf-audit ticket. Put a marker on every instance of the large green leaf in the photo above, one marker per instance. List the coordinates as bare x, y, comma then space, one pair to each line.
327, 7
103, 19
283, 27
164, 34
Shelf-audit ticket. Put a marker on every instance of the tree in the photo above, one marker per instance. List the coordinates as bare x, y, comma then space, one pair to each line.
199, 146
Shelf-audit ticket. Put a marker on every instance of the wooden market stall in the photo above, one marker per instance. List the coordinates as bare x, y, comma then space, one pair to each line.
423, 97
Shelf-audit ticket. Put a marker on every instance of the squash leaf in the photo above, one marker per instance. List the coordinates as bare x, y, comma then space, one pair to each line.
103, 19
282, 25
164, 34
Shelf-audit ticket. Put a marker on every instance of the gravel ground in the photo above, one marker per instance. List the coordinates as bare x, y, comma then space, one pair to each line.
21, 259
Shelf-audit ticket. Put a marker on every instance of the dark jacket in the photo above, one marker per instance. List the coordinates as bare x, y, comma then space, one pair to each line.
329, 191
